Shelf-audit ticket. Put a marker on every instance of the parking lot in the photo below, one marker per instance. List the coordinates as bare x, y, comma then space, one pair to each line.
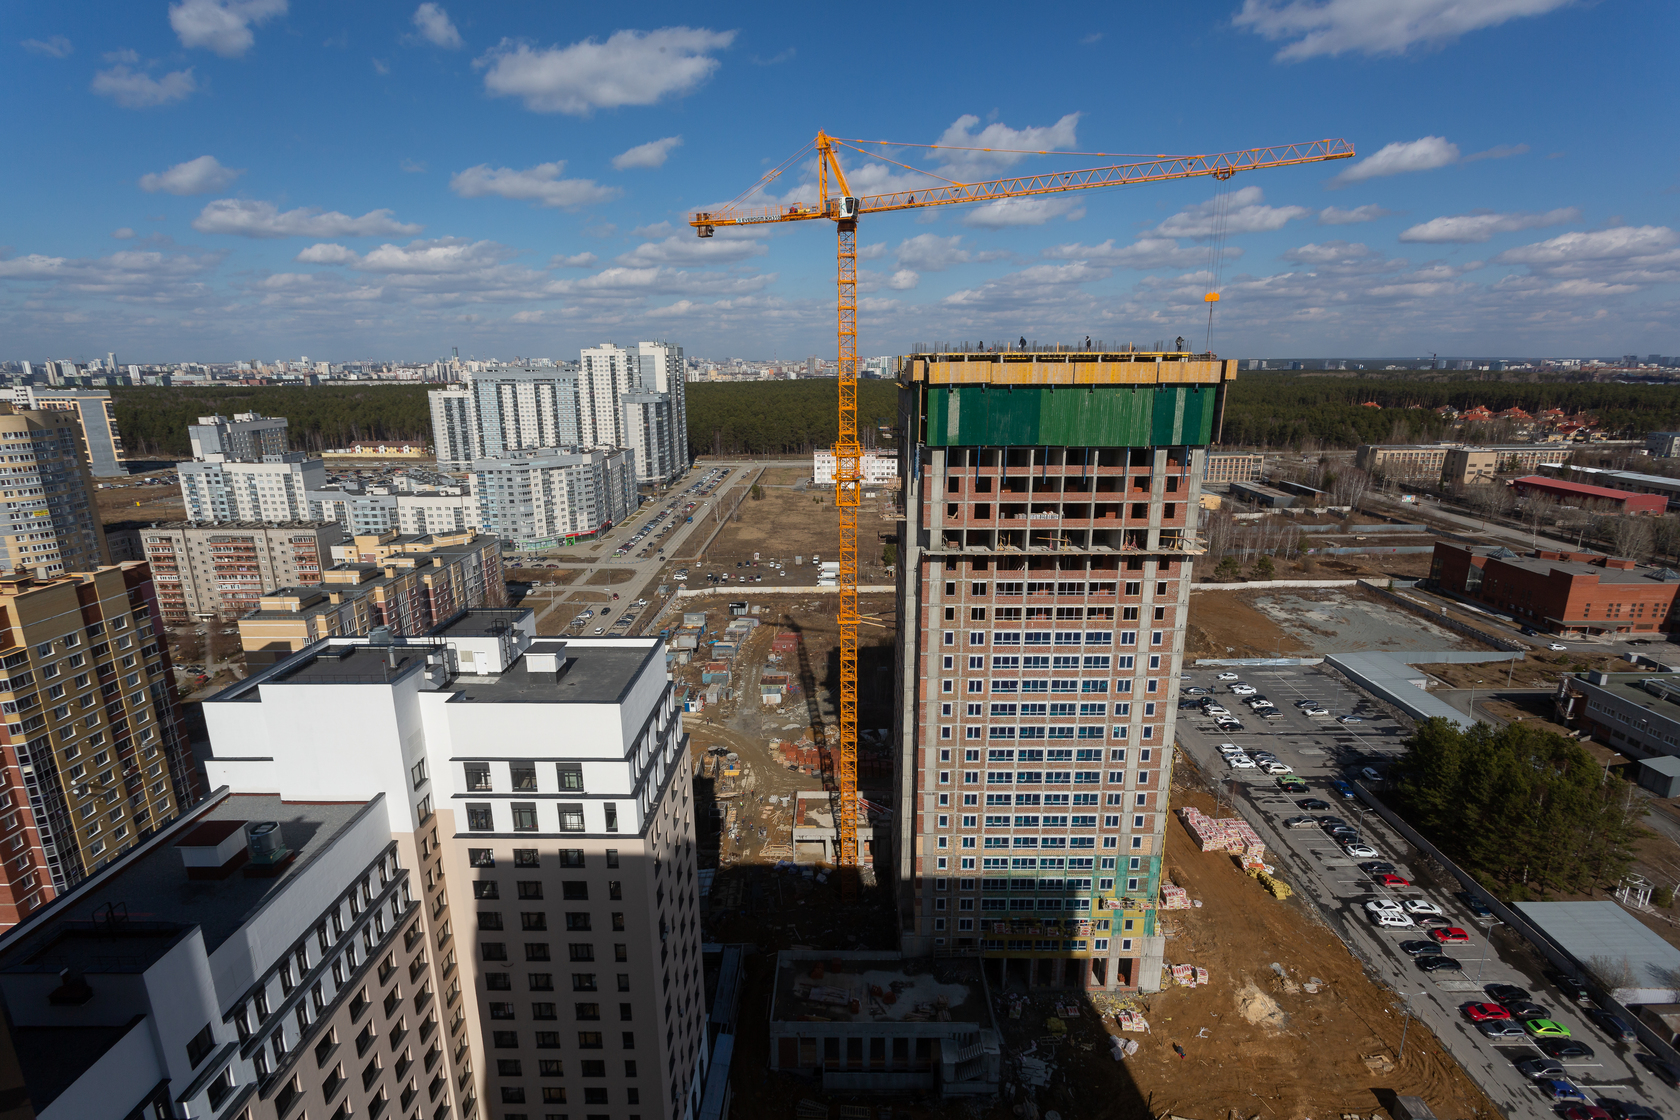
1323, 751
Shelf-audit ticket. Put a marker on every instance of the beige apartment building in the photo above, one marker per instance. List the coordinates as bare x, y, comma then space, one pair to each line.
222, 571
51, 522
1455, 463
406, 584
97, 755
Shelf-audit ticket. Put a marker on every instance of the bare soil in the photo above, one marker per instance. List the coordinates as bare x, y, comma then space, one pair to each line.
610, 576
1535, 670
1227, 624
140, 503
786, 523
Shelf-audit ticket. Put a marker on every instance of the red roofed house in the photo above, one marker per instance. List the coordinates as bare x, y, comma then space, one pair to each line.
1592, 497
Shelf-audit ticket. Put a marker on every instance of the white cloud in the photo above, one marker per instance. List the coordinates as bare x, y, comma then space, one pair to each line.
575, 260
123, 234
1042, 284
1006, 212
413, 166
903, 280
223, 26
629, 68
127, 276
966, 165
1622, 243
443, 255
326, 253
735, 244
196, 176
54, 46
1332, 216
435, 27
651, 154
1146, 252
136, 89
1245, 212
1425, 154
252, 218
541, 184
1465, 229
929, 252
1376, 27
1342, 258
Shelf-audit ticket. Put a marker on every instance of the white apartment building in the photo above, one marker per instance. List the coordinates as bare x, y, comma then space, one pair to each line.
386, 509
546, 785
273, 490
662, 371
879, 468
454, 435
606, 373
551, 498
260, 958
248, 437
647, 431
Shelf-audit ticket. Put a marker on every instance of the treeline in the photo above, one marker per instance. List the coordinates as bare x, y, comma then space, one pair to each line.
780, 417
1522, 807
1272, 410
153, 421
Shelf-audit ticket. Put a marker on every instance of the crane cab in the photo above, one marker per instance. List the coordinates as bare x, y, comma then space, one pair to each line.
846, 207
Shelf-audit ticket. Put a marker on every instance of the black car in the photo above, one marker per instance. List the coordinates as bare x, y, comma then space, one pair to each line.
1563, 1048
1420, 948
1475, 905
1312, 804
1567, 984
1187, 705
1378, 867
1499, 993
1627, 1110
1612, 1026
1522, 1010
1439, 963
1327, 822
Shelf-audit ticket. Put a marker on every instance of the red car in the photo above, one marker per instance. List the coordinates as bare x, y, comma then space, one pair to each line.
1452, 935
1585, 1112
1484, 1012
1391, 881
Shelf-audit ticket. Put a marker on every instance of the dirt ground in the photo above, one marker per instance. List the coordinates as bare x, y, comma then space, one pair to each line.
1292, 622
1535, 670
602, 576
535, 576
140, 503
790, 522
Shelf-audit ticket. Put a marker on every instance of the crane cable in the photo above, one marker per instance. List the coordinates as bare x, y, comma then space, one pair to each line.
1216, 258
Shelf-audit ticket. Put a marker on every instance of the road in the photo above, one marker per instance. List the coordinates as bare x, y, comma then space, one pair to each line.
1320, 750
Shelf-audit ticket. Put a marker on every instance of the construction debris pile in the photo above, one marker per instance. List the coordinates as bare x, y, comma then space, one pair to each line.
1225, 834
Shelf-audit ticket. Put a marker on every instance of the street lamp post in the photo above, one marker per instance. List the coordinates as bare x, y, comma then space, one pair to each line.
1473, 701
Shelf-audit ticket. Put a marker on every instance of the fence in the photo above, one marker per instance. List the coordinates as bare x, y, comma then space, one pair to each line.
1547, 948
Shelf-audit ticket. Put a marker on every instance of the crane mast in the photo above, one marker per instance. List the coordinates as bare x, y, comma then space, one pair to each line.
843, 208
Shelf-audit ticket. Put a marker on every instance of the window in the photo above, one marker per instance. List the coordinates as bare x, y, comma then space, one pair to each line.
591, 1040
577, 921
536, 950
611, 808
481, 857
524, 776
478, 777
571, 818
479, 818
524, 816
486, 888
575, 890
571, 776
573, 857
582, 951
418, 772
489, 919
200, 1045
525, 857
532, 921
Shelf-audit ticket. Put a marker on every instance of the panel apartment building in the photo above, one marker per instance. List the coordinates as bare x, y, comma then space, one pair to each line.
96, 420
222, 571
1050, 525
50, 520
543, 789
96, 754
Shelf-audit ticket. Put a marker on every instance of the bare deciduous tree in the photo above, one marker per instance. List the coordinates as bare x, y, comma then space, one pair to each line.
1488, 499
1629, 536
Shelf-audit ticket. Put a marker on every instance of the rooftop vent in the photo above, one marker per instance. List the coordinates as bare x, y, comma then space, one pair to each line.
268, 851
213, 850
545, 657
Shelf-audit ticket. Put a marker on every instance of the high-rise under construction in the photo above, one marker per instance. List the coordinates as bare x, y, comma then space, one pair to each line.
1050, 510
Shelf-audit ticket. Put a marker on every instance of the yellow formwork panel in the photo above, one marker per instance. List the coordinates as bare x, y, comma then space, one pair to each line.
1061, 371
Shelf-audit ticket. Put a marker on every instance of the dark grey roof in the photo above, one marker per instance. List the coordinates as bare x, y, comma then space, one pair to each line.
594, 674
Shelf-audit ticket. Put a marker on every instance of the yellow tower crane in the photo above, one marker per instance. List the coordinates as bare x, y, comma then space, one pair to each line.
839, 205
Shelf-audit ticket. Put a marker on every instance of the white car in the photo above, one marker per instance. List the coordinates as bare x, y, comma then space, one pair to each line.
1240, 689
1226, 677
1278, 768
1241, 762
1215, 710
1420, 906
1557, 645
1378, 904
1315, 712
1360, 851
1229, 749
1391, 919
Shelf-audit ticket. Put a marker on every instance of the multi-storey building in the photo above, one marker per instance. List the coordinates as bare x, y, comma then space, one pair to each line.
605, 373
101, 443
551, 498
1632, 481
876, 468
1050, 512
221, 571
96, 755
454, 434
405, 584
647, 435
662, 371
1428, 461
260, 959
250, 437
50, 524
395, 507
544, 789
1663, 445
273, 490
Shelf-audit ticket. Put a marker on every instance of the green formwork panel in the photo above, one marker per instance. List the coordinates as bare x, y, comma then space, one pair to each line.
1070, 416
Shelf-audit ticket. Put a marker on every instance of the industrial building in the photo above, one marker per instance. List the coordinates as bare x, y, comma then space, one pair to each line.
1565, 593
404, 584
1051, 501
221, 571
1590, 497
1635, 713
51, 523
540, 789
1429, 461
1661, 485
96, 755
96, 421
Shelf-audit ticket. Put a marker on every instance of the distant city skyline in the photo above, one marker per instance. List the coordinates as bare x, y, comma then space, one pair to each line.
338, 181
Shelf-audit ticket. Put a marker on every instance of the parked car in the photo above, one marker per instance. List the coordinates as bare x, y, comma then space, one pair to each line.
1392, 919
1503, 993
1226, 677
1279, 768
1240, 689
1561, 1048
1229, 748
1561, 1089
1523, 1010
1664, 1072
1571, 988
1378, 867
1501, 1029
1627, 1110
1557, 646
1420, 948
1612, 1026
1442, 963
1546, 1028
1420, 906
1312, 804
1359, 851
1475, 905
1241, 762
1482, 1012
1350, 719
1315, 712
1539, 1067
1370, 775
1343, 788
1451, 935
1298, 822
1391, 880
1384, 905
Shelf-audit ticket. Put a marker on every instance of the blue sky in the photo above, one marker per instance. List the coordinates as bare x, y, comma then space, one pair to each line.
221, 179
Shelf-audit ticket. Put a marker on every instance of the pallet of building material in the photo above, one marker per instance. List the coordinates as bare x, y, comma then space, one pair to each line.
808, 1109
1132, 1021
1174, 898
1201, 976
1184, 974
854, 1112
1278, 888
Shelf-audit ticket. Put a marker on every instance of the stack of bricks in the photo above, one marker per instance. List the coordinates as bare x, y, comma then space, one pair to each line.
1174, 898
1228, 834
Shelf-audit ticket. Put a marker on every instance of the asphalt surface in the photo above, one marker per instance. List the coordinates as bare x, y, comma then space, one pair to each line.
1321, 750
